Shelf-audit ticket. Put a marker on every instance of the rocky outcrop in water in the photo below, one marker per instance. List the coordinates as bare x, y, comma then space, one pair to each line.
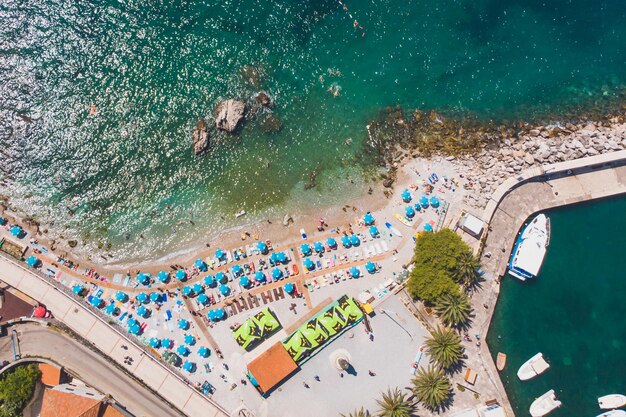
200, 137
271, 124
228, 114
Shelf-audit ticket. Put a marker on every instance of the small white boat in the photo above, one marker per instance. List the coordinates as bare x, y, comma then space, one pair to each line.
544, 404
530, 248
533, 367
240, 213
613, 413
611, 401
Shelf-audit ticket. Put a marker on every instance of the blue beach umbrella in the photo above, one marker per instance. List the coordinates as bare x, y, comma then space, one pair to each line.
203, 351
417, 207
410, 213
181, 275
262, 246
237, 270
166, 343
183, 324
220, 254
424, 201
306, 249
428, 227
368, 219
331, 242
319, 247
110, 309
134, 329
16, 231
277, 273
308, 264
190, 340
77, 289
142, 311
259, 276
187, 291
142, 297
289, 287
406, 196
354, 271
209, 281
354, 240
220, 313
32, 261
211, 315
244, 281
203, 299
370, 267
131, 321
163, 276
374, 231
121, 296
155, 297
221, 278
182, 350
281, 257
198, 288
143, 279
345, 241
189, 366
155, 343
224, 289
434, 201
273, 258
200, 265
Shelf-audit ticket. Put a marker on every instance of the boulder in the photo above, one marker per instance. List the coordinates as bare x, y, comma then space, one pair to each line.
200, 136
534, 132
263, 99
228, 114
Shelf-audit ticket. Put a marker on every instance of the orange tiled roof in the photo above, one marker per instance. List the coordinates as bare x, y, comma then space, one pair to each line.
63, 404
271, 367
50, 374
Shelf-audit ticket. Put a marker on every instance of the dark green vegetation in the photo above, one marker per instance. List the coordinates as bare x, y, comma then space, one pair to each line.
573, 312
442, 263
432, 387
16, 389
395, 404
444, 347
454, 309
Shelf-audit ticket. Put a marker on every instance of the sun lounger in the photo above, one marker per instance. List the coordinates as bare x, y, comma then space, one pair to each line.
385, 246
229, 257
126, 281
332, 262
248, 250
378, 248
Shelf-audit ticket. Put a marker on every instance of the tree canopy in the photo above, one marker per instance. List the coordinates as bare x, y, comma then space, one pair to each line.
438, 261
16, 389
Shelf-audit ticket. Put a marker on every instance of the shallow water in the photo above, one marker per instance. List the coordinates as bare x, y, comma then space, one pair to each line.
153, 67
573, 313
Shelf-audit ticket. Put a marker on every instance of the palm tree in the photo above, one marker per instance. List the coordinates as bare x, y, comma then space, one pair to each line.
394, 404
444, 347
454, 309
465, 271
431, 387
358, 413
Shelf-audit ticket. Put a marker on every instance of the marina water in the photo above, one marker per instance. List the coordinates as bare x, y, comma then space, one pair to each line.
126, 176
573, 313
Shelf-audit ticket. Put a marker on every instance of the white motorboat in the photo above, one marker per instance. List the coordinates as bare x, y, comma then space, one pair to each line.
530, 248
611, 401
613, 413
544, 404
533, 367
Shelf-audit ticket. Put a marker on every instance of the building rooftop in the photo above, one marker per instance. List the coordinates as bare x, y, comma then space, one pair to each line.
272, 366
50, 374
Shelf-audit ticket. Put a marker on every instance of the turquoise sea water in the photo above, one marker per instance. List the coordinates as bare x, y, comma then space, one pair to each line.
573, 313
152, 67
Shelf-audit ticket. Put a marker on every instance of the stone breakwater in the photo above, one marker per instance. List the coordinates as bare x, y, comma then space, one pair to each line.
487, 169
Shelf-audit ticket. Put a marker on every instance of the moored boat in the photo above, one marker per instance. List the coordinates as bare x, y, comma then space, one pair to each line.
608, 402
544, 405
530, 248
613, 413
501, 361
533, 367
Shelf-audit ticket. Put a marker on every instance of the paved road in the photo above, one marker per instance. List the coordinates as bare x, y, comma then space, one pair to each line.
36, 340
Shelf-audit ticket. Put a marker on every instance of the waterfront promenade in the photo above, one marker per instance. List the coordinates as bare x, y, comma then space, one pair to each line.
534, 190
112, 343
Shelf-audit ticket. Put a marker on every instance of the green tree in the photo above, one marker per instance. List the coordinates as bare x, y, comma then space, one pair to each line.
444, 347
465, 271
441, 261
394, 404
431, 387
454, 309
16, 389
358, 413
